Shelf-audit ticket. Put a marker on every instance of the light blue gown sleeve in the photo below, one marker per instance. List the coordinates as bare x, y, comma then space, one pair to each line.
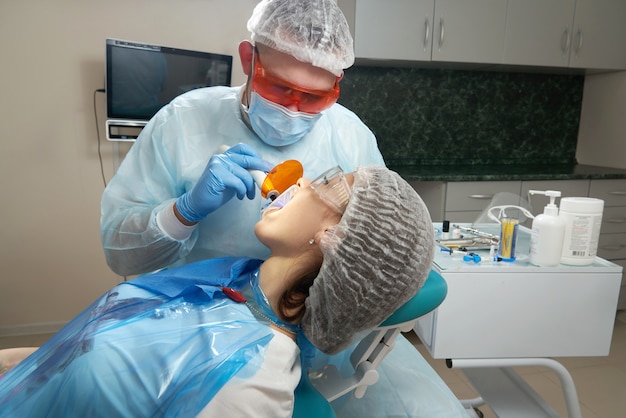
161, 346
145, 183
166, 161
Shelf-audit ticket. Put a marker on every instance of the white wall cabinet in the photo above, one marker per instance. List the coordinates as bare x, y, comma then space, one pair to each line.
469, 31
393, 29
424, 30
599, 35
539, 32
588, 34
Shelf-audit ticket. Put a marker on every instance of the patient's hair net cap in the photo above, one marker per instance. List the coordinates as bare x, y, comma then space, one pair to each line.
375, 259
312, 31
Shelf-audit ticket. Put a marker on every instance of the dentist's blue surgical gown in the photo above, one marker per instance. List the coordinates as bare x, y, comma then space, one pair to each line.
171, 154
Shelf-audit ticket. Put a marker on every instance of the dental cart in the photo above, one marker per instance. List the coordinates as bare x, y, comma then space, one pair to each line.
500, 315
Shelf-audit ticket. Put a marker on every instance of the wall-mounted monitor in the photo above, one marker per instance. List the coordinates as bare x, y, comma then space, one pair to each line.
141, 78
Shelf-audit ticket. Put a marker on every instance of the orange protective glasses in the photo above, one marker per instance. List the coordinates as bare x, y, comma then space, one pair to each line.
285, 93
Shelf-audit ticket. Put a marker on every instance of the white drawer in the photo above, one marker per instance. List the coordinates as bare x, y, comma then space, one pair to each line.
486, 313
568, 188
612, 246
613, 191
613, 220
477, 195
433, 194
463, 216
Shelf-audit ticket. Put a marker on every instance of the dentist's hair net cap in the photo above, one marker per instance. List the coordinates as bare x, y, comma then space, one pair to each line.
312, 31
375, 259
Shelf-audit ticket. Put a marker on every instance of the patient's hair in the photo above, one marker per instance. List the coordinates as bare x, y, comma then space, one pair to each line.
291, 305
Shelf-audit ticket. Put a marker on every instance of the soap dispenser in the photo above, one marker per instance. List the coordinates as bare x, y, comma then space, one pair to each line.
548, 231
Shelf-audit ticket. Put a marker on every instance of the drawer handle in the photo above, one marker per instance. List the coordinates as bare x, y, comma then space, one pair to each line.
618, 193
615, 247
616, 221
481, 196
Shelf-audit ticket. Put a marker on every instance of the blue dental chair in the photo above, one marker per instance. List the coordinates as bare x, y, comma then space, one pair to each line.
320, 387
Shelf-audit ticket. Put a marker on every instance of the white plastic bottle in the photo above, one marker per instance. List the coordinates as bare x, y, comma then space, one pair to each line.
548, 231
583, 219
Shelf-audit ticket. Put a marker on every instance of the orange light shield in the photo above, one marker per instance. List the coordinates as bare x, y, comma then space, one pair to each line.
280, 178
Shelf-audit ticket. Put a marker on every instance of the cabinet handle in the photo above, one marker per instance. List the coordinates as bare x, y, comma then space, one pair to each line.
616, 221
579, 41
426, 33
565, 39
480, 196
441, 32
618, 193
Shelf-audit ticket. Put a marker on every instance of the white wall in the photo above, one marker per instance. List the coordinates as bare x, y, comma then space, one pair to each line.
51, 61
602, 133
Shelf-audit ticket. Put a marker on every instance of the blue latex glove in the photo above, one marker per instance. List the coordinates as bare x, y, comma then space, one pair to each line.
225, 176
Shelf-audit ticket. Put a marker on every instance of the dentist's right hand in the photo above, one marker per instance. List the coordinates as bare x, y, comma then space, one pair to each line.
225, 176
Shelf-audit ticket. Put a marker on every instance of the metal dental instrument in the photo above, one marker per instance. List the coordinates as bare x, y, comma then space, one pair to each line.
477, 232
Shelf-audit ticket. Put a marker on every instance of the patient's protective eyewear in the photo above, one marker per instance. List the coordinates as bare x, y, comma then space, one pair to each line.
333, 188
286, 93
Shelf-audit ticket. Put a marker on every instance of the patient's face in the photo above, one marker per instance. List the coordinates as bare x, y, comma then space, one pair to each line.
288, 229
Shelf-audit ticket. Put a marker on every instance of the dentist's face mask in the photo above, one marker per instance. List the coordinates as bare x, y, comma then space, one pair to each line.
276, 125
271, 96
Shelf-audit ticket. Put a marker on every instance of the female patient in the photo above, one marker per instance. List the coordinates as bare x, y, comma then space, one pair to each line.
220, 337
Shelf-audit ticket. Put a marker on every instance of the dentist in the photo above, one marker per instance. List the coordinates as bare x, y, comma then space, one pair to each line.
170, 202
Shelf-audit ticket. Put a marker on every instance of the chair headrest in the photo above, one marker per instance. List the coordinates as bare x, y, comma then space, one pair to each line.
432, 293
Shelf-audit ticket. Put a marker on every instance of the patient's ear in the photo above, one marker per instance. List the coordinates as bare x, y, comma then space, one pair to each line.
330, 236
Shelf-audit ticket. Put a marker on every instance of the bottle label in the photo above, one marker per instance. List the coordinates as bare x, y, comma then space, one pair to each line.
581, 235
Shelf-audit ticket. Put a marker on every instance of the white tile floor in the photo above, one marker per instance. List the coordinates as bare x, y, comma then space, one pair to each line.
600, 381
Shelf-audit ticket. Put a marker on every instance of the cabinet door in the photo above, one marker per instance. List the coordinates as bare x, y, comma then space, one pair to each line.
599, 37
469, 31
393, 29
539, 32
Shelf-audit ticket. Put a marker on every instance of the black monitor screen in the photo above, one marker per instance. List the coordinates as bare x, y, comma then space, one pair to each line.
141, 78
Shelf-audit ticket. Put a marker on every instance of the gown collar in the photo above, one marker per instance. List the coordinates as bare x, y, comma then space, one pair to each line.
260, 306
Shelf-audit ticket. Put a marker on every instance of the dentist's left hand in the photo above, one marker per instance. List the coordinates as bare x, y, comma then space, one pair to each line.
225, 176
